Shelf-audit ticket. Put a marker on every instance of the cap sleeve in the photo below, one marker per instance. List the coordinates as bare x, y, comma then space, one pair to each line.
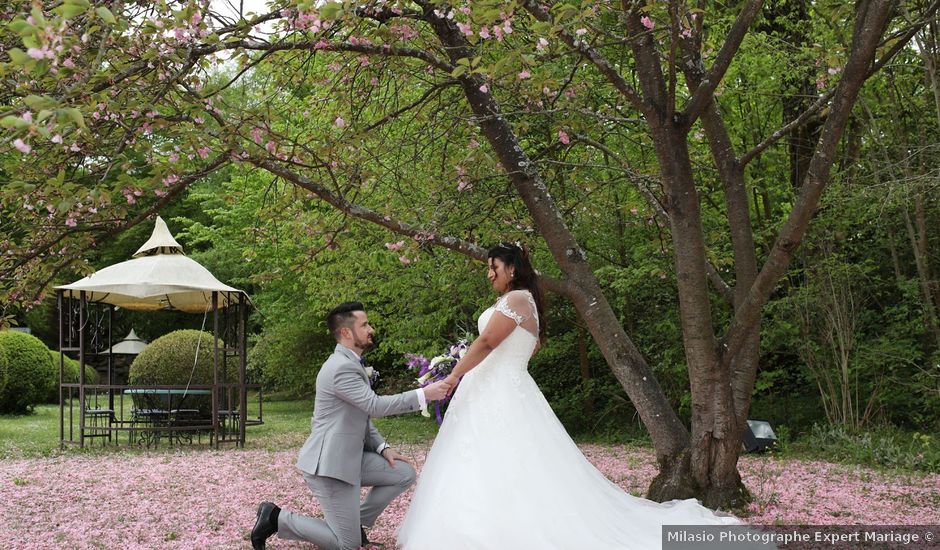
519, 306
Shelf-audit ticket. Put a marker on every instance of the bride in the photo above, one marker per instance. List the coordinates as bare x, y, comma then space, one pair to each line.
503, 472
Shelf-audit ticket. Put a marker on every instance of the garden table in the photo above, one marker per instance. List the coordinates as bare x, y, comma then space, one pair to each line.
170, 417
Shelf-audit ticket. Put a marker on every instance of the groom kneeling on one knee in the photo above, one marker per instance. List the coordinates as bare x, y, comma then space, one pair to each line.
344, 451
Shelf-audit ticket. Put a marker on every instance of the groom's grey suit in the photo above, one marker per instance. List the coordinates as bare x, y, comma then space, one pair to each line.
341, 455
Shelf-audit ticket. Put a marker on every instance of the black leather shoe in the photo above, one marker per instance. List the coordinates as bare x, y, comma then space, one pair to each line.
362, 533
264, 527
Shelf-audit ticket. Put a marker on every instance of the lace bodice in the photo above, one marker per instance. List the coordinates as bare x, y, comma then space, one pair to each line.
513, 353
518, 305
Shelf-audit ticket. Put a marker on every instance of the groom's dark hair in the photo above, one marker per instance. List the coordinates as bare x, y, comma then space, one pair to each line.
342, 316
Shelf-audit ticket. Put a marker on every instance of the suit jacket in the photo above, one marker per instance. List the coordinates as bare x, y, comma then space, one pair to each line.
341, 428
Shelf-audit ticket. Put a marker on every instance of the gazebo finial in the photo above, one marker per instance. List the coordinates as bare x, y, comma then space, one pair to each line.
161, 241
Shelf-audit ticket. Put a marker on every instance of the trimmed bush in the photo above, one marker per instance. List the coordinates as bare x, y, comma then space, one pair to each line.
169, 360
70, 375
28, 369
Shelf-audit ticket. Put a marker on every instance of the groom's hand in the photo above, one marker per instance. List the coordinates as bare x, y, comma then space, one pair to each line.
437, 390
391, 456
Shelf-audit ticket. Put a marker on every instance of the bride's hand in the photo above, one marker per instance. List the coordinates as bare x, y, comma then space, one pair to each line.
451, 382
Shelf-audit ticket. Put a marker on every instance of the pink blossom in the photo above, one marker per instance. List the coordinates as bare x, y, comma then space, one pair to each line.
339, 122
270, 147
484, 88
56, 139
256, 134
686, 33
207, 498
174, 157
40, 53
463, 185
523, 74
498, 31
465, 29
68, 63
563, 137
473, 144
484, 33
28, 116
404, 259
394, 246
71, 222
580, 32
22, 146
541, 44
647, 22
203, 152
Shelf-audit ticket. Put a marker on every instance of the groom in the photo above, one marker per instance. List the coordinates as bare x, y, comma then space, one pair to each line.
344, 450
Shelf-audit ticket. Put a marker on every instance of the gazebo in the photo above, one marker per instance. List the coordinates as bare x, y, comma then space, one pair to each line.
158, 278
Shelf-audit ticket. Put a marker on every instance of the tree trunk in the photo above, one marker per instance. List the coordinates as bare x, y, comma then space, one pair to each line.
585, 372
669, 436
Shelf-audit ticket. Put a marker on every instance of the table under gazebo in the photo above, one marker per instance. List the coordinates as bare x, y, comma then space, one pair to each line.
158, 278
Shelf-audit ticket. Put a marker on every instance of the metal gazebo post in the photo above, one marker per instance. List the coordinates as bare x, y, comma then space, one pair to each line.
215, 368
82, 317
59, 299
242, 366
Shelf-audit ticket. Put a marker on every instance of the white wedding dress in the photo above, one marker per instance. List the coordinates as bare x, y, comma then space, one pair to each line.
503, 472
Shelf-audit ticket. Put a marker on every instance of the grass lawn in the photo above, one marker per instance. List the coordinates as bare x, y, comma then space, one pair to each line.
286, 426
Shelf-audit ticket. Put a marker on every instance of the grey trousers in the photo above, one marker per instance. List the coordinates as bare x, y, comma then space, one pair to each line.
343, 513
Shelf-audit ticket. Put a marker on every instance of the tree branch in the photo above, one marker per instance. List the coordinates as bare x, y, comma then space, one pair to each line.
599, 61
872, 20
720, 285
710, 80
466, 248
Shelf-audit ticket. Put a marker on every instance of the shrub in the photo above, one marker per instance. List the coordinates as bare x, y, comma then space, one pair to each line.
287, 357
28, 370
70, 375
171, 360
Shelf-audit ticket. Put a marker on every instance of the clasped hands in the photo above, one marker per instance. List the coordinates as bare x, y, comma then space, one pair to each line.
440, 389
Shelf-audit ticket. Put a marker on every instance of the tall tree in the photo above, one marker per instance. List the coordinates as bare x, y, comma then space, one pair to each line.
120, 103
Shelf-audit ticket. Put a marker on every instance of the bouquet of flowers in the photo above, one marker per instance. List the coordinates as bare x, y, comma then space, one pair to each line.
437, 368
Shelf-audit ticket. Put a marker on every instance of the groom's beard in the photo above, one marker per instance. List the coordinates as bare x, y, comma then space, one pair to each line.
364, 343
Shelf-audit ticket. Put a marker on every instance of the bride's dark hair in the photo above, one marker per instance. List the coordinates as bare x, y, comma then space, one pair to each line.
524, 276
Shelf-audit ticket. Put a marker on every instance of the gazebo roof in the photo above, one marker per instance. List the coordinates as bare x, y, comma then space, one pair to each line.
159, 277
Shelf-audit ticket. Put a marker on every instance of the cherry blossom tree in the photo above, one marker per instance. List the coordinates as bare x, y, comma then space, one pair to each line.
111, 111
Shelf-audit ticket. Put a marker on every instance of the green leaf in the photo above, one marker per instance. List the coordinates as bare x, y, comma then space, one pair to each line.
39, 103
11, 121
75, 116
461, 69
106, 14
38, 17
18, 56
21, 27
70, 11
331, 10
